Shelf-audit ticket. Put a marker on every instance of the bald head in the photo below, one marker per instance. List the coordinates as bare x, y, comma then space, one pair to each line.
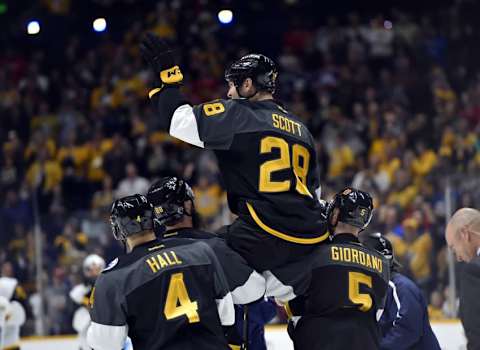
463, 233
466, 217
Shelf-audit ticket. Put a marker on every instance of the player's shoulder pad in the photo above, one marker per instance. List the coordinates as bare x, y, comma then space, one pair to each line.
220, 107
119, 262
111, 265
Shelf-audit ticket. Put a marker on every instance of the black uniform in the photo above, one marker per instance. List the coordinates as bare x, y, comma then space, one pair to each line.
268, 162
348, 285
245, 284
266, 156
166, 296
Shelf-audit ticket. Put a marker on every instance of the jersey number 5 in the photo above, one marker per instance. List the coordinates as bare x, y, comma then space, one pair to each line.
355, 279
178, 302
299, 161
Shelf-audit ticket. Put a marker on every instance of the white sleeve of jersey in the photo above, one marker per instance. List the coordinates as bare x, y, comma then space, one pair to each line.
226, 311
78, 293
104, 337
17, 315
184, 126
253, 289
81, 319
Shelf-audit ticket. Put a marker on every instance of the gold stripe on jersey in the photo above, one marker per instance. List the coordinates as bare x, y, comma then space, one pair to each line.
288, 310
356, 256
284, 236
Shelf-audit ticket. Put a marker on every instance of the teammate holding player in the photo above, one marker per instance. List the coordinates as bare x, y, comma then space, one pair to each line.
265, 154
347, 284
164, 296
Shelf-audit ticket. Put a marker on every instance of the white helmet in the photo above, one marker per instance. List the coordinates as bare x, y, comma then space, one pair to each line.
91, 261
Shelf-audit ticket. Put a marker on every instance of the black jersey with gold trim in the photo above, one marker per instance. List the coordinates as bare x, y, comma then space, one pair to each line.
164, 295
345, 297
268, 161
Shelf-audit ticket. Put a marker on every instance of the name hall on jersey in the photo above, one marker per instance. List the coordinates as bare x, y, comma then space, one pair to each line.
161, 260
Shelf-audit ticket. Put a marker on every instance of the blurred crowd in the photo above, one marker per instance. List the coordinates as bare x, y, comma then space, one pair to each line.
393, 103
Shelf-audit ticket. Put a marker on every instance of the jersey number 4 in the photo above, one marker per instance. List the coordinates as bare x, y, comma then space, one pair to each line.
299, 162
363, 300
178, 302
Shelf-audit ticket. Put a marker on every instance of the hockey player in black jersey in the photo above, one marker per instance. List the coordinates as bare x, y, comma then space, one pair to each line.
266, 155
174, 211
164, 296
348, 284
173, 204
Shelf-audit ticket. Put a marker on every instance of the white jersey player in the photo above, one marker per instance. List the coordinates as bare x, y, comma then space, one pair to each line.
80, 294
12, 313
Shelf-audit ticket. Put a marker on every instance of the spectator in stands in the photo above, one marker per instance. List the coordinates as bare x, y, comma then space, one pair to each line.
132, 184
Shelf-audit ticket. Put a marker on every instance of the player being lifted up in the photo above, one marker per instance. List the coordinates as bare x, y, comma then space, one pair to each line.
161, 295
265, 154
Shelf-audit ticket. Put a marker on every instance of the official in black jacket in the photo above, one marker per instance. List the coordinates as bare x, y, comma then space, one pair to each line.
463, 237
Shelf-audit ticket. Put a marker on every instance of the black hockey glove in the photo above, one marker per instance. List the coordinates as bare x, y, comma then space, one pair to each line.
159, 56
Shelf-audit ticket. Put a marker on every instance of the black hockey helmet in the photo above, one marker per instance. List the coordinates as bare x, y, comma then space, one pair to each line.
261, 69
168, 196
131, 215
381, 244
356, 207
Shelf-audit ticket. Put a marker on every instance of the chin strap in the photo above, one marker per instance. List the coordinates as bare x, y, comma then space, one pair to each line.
246, 97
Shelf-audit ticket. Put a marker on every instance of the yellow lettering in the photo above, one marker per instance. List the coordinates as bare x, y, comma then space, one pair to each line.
355, 256
380, 265
347, 257
169, 261
177, 260
275, 120
334, 251
299, 129
163, 263
287, 125
361, 256
341, 253
375, 262
153, 264
369, 261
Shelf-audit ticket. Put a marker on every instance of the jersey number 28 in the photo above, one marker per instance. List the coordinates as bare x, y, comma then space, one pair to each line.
299, 161
178, 302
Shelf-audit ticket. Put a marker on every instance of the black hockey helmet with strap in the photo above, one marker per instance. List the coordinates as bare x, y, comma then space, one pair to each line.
131, 215
168, 196
356, 207
261, 69
381, 244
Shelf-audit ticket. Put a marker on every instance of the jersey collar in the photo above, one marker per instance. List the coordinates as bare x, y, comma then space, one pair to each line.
345, 238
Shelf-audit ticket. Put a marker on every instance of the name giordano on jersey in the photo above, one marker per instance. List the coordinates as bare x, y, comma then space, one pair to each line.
352, 255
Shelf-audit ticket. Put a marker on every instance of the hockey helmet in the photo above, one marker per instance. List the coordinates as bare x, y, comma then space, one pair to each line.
91, 262
131, 215
168, 196
261, 69
356, 207
381, 244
